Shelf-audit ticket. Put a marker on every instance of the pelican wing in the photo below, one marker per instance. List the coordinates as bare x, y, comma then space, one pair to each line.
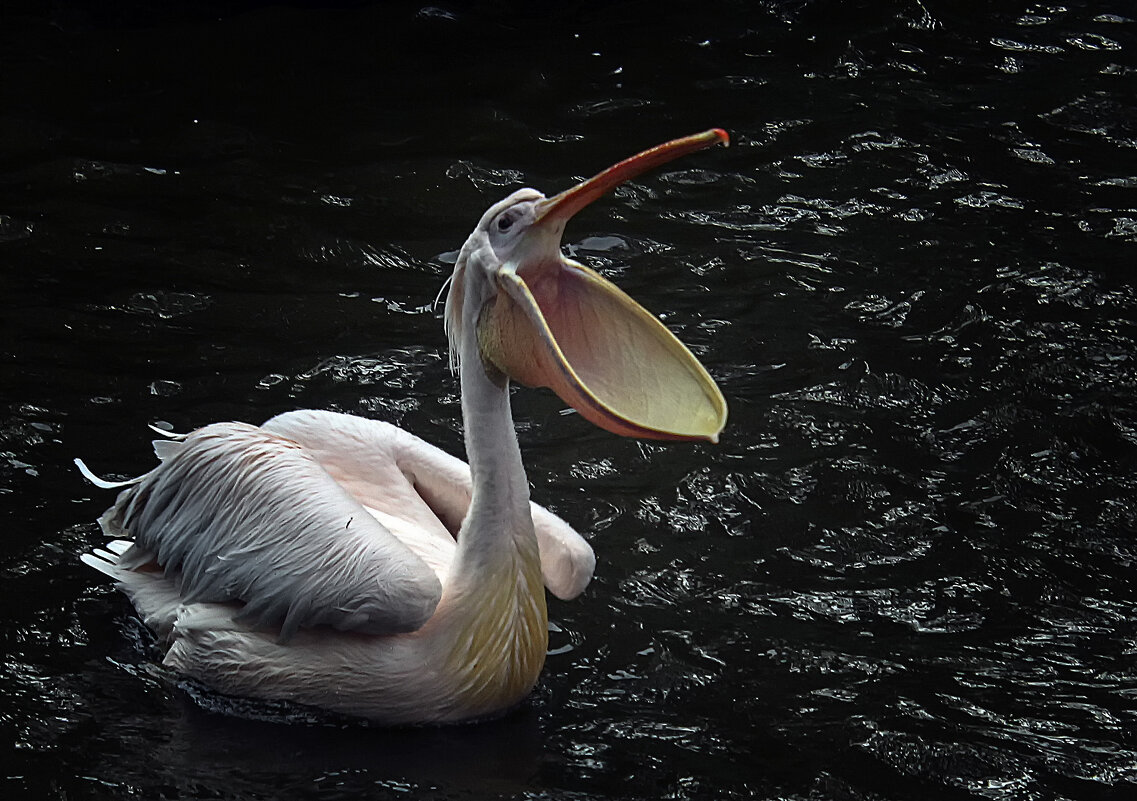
394, 472
239, 513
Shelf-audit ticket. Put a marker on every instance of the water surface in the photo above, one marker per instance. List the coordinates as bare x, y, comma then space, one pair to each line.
907, 571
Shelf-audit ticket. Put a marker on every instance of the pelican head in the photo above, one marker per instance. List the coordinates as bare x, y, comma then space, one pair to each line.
542, 319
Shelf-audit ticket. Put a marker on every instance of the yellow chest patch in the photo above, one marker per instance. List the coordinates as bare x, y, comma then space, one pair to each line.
500, 649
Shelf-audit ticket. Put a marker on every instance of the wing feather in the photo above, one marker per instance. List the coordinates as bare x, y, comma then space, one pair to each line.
388, 468
236, 512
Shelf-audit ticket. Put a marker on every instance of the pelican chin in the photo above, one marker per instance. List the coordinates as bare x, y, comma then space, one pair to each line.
343, 563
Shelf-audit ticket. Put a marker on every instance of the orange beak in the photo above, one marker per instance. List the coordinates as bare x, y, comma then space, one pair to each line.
558, 324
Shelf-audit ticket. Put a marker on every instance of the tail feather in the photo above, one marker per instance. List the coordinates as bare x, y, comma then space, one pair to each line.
167, 434
102, 483
104, 562
165, 448
162, 449
119, 547
115, 560
106, 556
155, 596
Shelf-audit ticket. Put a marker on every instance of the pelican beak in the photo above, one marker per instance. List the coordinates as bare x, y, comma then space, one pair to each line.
557, 324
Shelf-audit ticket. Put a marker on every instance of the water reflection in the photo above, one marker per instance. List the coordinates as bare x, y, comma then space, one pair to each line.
500, 756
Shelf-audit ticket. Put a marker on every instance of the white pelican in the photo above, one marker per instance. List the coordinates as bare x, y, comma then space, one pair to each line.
343, 563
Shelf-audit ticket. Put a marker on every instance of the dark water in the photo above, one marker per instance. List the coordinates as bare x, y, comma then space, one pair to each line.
908, 571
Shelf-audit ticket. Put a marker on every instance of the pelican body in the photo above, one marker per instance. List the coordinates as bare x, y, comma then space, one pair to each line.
343, 563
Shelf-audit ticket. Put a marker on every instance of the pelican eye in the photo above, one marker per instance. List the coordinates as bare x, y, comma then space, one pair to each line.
505, 222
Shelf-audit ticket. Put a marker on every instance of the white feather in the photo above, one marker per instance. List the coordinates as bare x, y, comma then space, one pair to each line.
102, 483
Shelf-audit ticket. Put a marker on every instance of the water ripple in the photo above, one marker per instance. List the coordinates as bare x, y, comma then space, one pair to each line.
905, 571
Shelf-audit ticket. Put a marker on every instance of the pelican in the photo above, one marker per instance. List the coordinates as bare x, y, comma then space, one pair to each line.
343, 563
